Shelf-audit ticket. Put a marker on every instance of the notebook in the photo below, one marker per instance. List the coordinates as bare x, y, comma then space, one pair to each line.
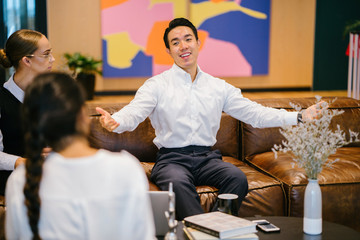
160, 204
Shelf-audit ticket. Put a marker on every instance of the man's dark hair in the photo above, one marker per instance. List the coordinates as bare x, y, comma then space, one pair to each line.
176, 23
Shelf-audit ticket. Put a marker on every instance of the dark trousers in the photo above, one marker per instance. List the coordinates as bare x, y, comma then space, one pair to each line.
193, 166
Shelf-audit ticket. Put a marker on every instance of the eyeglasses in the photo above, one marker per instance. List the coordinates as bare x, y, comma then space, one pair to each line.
47, 55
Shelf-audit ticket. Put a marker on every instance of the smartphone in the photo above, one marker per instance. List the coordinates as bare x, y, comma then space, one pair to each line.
266, 226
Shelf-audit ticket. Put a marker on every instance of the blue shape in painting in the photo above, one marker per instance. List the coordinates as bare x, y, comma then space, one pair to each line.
251, 35
141, 66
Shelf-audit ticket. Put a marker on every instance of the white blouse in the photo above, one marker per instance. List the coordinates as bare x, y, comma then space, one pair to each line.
103, 196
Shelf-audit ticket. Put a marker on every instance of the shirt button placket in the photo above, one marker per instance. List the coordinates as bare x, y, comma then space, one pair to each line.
191, 112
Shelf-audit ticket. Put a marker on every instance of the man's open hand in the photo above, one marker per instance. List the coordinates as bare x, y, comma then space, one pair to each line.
314, 111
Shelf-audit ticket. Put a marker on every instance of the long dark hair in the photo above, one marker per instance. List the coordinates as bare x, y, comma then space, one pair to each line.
52, 104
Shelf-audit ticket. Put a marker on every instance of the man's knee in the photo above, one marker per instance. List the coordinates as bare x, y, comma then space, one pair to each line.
237, 175
241, 179
238, 180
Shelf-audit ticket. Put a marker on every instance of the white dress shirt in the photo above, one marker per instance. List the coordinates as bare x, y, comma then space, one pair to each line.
186, 113
103, 196
7, 161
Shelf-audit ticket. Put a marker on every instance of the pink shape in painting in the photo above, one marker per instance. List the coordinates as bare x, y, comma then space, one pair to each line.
233, 62
121, 18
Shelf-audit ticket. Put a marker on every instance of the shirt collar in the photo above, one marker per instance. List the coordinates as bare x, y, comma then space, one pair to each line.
181, 72
14, 89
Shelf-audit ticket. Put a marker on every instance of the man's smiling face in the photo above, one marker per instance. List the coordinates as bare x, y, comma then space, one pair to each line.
183, 48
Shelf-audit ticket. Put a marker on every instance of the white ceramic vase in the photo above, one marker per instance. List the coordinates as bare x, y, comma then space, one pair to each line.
312, 208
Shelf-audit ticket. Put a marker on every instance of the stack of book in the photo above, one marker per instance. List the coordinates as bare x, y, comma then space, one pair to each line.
218, 225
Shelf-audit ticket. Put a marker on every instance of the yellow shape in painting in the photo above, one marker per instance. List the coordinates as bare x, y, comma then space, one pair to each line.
123, 50
204, 10
179, 6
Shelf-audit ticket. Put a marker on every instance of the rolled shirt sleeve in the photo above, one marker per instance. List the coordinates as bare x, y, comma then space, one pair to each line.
7, 161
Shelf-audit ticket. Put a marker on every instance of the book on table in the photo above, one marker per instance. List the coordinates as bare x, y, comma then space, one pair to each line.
220, 225
194, 234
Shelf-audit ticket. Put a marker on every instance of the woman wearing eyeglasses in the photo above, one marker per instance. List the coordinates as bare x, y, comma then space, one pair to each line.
29, 52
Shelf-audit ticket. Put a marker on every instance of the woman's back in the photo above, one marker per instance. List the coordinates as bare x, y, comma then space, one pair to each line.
103, 196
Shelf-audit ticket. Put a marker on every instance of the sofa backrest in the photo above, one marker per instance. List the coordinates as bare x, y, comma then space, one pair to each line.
256, 140
140, 141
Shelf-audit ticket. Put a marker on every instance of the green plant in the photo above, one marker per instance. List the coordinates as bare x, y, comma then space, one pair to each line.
353, 26
79, 63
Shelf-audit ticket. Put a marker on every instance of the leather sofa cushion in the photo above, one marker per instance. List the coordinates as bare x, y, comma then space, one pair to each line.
346, 170
138, 142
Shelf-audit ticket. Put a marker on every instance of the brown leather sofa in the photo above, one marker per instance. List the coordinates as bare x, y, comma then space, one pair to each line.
275, 187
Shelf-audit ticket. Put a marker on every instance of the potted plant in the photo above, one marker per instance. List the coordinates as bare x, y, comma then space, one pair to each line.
84, 69
353, 26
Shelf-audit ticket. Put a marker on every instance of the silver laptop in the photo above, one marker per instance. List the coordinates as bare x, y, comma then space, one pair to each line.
160, 204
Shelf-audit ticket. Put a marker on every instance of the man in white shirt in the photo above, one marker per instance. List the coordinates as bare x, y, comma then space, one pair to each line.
185, 105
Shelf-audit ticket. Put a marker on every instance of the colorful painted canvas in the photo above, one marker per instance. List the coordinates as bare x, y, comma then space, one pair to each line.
234, 36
